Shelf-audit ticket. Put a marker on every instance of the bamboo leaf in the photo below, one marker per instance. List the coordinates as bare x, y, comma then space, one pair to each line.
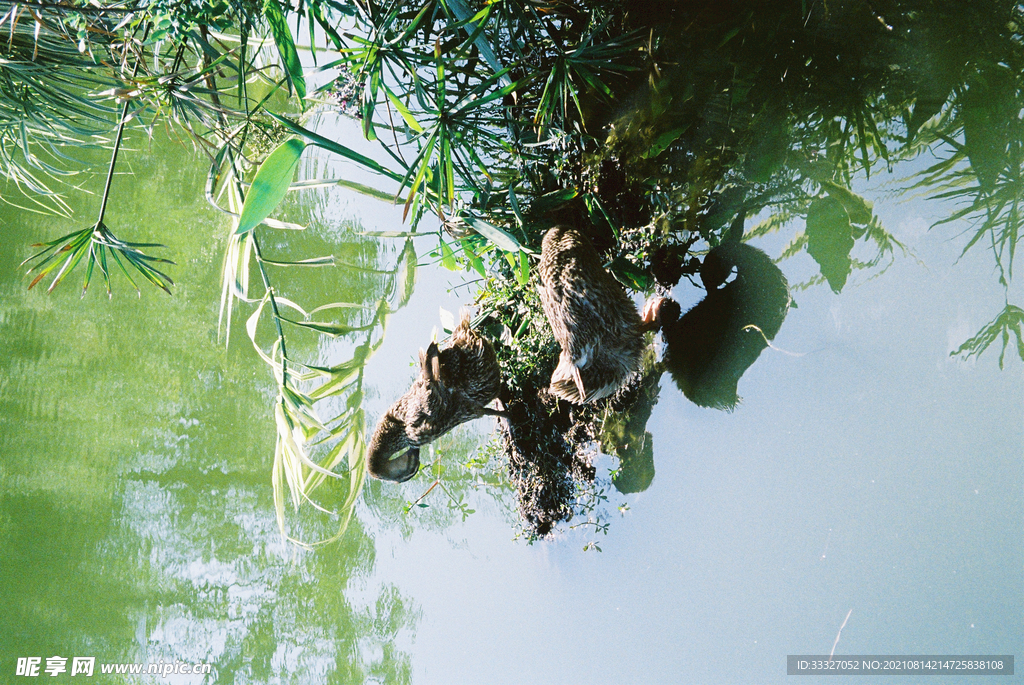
407, 275
285, 46
391, 234
369, 191
403, 111
523, 273
283, 225
473, 258
254, 318
631, 275
447, 256
331, 329
317, 261
337, 148
496, 235
270, 184
514, 201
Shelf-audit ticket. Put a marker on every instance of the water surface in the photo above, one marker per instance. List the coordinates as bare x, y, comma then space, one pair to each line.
865, 469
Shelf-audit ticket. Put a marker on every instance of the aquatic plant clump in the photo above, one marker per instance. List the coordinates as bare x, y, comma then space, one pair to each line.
543, 463
548, 445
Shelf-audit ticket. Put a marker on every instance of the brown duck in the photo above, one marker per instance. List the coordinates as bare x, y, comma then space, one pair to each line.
593, 319
454, 385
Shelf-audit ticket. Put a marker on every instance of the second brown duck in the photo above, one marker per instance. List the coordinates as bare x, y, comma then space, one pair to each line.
592, 318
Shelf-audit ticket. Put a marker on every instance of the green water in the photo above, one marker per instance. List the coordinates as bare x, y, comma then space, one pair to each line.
137, 520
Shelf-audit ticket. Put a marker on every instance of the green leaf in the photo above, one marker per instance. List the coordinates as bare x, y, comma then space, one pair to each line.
407, 276
447, 256
550, 201
663, 141
285, 46
316, 261
424, 164
496, 235
630, 275
337, 148
523, 273
515, 206
391, 234
404, 111
830, 240
369, 191
340, 379
270, 184
473, 258
985, 110
331, 329
859, 209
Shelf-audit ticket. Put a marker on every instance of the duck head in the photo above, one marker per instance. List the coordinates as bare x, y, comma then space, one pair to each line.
717, 268
388, 439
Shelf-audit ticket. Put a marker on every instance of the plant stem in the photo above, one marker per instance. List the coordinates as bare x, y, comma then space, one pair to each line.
273, 305
113, 162
76, 9
420, 498
117, 141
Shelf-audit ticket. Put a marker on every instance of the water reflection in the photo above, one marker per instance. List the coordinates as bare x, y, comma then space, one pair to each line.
549, 444
624, 431
543, 442
784, 110
134, 503
710, 347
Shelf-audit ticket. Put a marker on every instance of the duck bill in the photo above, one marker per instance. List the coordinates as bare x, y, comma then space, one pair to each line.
399, 469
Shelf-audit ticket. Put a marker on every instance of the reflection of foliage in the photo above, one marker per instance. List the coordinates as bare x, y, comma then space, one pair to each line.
445, 489
986, 169
545, 462
623, 431
1010, 320
770, 106
710, 347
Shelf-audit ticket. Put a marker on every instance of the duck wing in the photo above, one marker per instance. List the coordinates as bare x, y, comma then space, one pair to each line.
571, 294
573, 318
591, 317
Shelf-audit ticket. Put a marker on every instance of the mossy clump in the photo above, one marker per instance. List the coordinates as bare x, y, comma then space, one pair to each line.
547, 444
